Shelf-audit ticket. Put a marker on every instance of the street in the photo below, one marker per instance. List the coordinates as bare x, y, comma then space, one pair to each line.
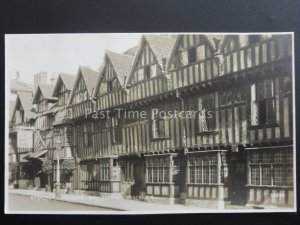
27, 203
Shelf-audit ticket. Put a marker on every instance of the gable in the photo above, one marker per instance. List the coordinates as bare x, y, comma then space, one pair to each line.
231, 43
108, 77
39, 95
79, 92
144, 58
59, 87
189, 49
108, 72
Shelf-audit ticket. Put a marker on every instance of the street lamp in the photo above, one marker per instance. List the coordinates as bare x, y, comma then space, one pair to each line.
57, 190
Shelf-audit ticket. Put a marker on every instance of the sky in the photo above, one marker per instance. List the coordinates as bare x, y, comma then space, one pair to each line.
54, 53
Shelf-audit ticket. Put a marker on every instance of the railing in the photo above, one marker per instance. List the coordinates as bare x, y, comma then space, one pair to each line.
112, 99
148, 88
81, 109
62, 114
244, 58
194, 73
95, 185
14, 126
256, 55
61, 153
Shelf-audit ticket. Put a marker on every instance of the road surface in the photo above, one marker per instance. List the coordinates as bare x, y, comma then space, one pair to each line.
26, 203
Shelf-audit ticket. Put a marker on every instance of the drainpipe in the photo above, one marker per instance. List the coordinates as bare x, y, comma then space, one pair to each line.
183, 193
182, 109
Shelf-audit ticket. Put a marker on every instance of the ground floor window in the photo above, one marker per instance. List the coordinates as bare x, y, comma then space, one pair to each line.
158, 170
104, 169
203, 168
271, 167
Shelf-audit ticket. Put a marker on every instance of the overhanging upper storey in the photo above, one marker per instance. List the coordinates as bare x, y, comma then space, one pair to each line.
146, 77
110, 89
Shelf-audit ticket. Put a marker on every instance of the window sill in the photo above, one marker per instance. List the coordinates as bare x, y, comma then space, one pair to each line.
253, 127
159, 139
267, 186
205, 184
207, 132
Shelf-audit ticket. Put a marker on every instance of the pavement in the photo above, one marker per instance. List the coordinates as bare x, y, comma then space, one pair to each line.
104, 202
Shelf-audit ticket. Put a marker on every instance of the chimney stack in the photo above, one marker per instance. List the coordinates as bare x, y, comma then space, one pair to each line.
53, 79
17, 76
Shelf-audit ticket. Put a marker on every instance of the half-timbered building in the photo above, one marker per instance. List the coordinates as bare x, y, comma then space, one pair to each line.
63, 143
80, 104
193, 119
44, 105
22, 117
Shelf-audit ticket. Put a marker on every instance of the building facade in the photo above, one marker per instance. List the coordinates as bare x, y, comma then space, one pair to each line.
190, 119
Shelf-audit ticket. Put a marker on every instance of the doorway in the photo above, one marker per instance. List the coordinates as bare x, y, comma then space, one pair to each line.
238, 181
138, 179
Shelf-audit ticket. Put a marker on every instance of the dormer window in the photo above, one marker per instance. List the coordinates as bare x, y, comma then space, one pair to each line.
147, 72
192, 55
109, 86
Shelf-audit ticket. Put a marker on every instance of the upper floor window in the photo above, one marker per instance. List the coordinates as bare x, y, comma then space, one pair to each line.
147, 72
158, 126
116, 130
207, 113
80, 96
42, 106
20, 116
61, 99
88, 138
192, 55
263, 103
109, 86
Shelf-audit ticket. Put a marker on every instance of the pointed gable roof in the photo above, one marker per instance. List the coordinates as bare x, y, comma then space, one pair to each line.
210, 42
17, 85
67, 79
161, 46
90, 78
131, 51
25, 99
46, 90
121, 63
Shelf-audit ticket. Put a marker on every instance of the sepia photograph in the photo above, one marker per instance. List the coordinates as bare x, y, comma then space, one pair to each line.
149, 123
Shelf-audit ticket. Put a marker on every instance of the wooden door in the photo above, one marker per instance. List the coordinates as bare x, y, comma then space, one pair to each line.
238, 181
138, 179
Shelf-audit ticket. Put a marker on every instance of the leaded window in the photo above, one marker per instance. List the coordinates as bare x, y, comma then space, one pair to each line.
263, 103
104, 169
158, 126
158, 170
116, 132
207, 113
271, 168
203, 168
88, 138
